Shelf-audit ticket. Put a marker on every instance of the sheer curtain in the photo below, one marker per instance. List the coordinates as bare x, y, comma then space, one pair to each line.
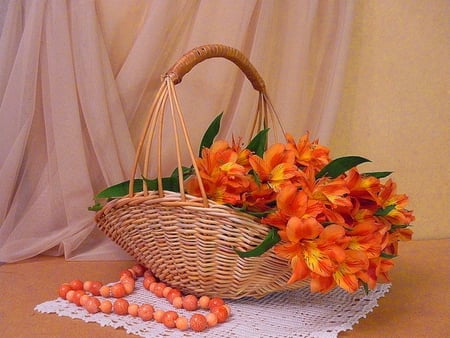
77, 77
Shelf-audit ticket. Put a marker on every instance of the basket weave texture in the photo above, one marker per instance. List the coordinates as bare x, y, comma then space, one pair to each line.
189, 242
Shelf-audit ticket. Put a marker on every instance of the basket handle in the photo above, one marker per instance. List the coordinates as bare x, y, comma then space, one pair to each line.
167, 94
199, 54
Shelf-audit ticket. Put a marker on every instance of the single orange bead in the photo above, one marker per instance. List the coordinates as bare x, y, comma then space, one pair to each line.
133, 274
63, 289
216, 301
159, 289
221, 312
203, 302
211, 319
129, 287
87, 285
190, 303
83, 299
169, 318
106, 306
145, 312
133, 310
105, 291
120, 306
138, 270
70, 294
177, 302
92, 305
76, 284
198, 322
152, 286
118, 290
95, 288
182, 323
158, 315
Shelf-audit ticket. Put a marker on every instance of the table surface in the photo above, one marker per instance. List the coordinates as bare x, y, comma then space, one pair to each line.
418, 304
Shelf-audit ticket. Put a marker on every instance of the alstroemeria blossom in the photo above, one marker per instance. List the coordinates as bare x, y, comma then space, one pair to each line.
308, 154
276, 167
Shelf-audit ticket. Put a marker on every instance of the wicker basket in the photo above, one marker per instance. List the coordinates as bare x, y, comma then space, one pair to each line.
189, 242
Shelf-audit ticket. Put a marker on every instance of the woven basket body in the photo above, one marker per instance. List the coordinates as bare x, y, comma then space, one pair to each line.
192, 247
190, 242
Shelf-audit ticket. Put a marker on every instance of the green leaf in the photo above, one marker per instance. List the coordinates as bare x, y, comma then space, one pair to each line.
169, 183
387, 256
259, 214
340, 165
119, 190
255, 177
96, 207
259, 143
365, 286
210, 134
398, 226
271, 239
378, 174
385, 211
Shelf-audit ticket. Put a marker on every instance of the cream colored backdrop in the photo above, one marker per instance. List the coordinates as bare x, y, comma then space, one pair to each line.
77, 77
396, 102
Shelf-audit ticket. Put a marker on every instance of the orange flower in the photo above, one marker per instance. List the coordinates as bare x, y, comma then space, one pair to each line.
276, 167
332, 192
292, 202
223, 178
398, 215
346, 276
259, 198
365, 237
242, 154
390, 244
377, 271
308, 154
363, 187
311, 248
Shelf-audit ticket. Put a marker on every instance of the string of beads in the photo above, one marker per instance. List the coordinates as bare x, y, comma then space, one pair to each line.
85, 294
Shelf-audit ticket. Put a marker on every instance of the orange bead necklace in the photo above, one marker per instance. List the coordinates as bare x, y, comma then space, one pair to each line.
84, 294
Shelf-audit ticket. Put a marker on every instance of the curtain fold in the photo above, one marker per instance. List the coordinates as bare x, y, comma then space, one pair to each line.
78, 76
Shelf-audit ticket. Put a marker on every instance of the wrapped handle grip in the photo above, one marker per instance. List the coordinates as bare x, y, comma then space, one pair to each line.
199, 54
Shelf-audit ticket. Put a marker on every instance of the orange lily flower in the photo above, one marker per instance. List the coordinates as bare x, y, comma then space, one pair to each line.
388, 197
292, 202
259, 198
377, 271
308, 154
363, 187
311, 247
276, 167
223, 178
346, 275
332, 192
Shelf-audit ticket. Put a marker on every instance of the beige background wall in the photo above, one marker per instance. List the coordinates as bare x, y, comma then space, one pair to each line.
396, 104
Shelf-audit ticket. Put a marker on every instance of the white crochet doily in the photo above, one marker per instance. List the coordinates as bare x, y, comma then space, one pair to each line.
287, 314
